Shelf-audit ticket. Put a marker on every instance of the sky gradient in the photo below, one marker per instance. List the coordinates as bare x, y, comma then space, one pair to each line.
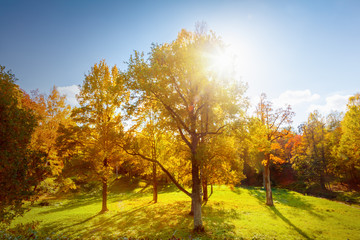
305, 53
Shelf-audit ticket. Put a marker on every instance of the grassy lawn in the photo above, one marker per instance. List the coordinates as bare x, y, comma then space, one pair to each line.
239, 213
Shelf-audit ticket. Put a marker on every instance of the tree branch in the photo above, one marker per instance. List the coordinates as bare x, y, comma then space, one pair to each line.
184, 138
174, 115
213, 133
162, 168
177, 88
197, 110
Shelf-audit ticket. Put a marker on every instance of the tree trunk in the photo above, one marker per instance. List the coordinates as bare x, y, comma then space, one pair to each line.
264, 177
211, 191
269, 200
104, 189
196, 196
155, 191
104, 196
191, 213
322, 181
205, 190
354, 175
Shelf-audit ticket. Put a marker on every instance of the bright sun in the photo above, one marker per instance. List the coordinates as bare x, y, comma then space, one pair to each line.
222, 62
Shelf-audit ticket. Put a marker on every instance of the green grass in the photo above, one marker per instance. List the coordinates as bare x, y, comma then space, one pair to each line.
239, 213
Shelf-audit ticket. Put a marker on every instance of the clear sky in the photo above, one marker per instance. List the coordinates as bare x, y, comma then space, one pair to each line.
305, 53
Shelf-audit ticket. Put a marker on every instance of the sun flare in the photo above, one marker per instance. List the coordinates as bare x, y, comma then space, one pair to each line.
222, 62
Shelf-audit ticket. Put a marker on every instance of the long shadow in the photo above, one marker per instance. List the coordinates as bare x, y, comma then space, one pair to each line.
145, 190
302, 233
142, 220
87, 199
61, 226
284, 197
152, 221
49, 227
75, 202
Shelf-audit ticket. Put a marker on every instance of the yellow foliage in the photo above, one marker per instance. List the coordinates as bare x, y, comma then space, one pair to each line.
276, 159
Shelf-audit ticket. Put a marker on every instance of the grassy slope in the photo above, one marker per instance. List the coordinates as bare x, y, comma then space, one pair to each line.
240, 213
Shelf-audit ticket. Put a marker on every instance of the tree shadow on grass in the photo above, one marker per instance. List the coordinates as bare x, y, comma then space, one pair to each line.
284, 197
78, 201
155, 221
152, 221
75, 202
55, 226
277, 213
218, 221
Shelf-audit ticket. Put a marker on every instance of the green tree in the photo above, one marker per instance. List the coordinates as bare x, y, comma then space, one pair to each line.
21, 168
99, 121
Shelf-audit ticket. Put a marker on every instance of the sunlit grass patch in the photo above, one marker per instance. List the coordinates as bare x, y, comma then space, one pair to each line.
238, 213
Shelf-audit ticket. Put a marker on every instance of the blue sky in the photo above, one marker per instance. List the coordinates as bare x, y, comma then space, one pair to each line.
305, 53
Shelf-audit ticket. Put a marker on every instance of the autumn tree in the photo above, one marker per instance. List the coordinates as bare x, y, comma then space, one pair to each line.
152, 136
52, 112
178, 77
268, 129
221, 162
70, 143
244, 131
152, 146
333, 137
349, 150
144, 141
21, 168
312, 156
99, 121
156, 149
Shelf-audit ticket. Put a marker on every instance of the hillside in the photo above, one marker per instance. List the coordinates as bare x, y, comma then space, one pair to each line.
239, 213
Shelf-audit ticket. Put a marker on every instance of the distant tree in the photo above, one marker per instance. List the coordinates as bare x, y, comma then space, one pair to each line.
99, 121
221, 163
69, 145
52, 112
177, 76
244, 130
312, 156
154, 148
333, 137
349, 145
268, 129
21, 168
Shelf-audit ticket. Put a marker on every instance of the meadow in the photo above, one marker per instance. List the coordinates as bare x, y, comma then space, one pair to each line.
237, 213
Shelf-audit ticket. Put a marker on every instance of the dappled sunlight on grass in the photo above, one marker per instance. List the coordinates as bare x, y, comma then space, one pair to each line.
237, 213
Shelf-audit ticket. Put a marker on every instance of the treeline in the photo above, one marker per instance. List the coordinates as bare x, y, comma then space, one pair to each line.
168, 116
318, 157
